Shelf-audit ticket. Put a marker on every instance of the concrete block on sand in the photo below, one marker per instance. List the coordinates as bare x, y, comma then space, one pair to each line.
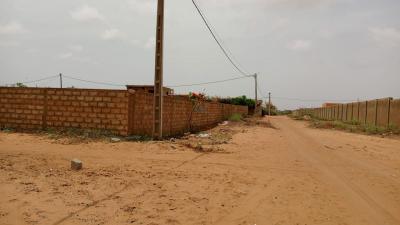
115, 140
76, 164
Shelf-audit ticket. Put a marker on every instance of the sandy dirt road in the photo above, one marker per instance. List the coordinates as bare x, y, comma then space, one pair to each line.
289, 175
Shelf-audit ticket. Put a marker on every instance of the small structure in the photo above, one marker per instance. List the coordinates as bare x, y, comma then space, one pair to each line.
328, 104
149, 89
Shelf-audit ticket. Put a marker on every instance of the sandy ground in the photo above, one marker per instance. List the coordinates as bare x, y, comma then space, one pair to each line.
289, 175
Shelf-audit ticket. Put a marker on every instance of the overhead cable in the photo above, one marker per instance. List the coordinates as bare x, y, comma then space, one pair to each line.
33, 81
313, 100
214, 35
94, 82
211, 82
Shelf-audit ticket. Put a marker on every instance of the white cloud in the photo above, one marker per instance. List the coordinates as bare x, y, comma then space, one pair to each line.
327, 34
12, 28
297, 4
386, 36
112, 34
9, 43
86, 13
143, 6
76, 58
301, 3
299, 45
32, 50
135, 42
279, 23
66, 55
71, 52
76, 48
86, 60
150, 43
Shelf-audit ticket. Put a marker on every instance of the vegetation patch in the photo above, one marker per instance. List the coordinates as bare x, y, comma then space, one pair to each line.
355, 127
241, 100
235, 117
299, 117
76, 136
7, 129
257, 122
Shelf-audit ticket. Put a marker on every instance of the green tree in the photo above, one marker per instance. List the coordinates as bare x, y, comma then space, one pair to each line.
241, 100
20, 85
274, 110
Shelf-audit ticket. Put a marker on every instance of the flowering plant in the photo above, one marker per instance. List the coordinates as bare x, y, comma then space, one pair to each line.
197, 96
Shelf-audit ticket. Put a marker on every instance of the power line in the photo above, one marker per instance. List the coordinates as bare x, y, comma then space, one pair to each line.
94, 82
190, 85
213, 33
33, 81
211, 82
222, 41
261, 92
174, 86
122, 85
312, 100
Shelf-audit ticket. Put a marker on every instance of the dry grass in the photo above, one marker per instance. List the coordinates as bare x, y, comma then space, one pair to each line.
78, 136
355, 127
257, 122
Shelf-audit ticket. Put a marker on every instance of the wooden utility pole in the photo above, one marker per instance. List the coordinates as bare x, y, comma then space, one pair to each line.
158, 78
269, 103
61, 86
255, 89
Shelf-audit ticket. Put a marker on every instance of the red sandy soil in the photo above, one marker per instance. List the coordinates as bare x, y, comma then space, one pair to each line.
285, 176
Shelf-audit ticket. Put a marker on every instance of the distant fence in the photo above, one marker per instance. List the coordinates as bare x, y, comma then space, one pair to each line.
380, 112
118, 111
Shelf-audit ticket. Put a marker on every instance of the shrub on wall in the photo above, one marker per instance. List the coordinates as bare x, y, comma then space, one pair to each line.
241, 100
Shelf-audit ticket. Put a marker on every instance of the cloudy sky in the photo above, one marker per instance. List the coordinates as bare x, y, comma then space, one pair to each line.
303, 50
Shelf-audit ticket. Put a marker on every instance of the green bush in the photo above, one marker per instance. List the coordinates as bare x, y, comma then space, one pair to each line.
235, 117
372, 129
394, 129
340, 125
284, 112
20, 85
242, 100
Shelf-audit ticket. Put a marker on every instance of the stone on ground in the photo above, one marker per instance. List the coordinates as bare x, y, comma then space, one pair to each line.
76, 164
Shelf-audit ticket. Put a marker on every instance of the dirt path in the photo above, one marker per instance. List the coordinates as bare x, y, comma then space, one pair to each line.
289, 175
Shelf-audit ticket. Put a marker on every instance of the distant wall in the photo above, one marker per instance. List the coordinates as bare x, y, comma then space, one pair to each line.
355, 110
383, 110
394, 117
362, 108
379, 112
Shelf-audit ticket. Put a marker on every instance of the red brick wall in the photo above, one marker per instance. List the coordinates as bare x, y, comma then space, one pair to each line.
34, 108
21, 107
179, 114
141, 114
115, 110
88, 109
